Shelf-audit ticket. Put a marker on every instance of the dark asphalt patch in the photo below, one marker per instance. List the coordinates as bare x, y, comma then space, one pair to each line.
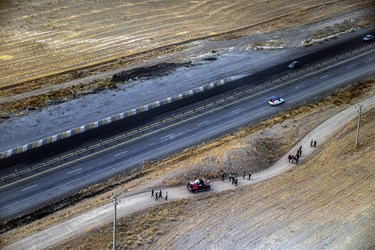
161, 69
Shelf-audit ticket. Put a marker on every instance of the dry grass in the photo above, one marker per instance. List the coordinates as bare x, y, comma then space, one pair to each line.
55, 97
176, 169
332, 32
135, 230
345, 180
70, 39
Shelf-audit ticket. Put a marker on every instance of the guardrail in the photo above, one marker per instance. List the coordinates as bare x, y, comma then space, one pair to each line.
244, 93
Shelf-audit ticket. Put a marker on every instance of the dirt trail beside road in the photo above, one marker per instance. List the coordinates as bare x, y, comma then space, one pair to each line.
103, 215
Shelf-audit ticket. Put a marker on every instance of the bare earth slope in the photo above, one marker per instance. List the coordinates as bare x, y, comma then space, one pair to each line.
44, 37
323, 202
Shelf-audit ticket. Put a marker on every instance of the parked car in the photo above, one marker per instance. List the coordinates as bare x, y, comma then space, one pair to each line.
275, 100
199, 185
294, 65
368, 38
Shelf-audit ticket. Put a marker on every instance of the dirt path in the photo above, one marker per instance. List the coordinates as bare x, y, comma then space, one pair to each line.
102, 215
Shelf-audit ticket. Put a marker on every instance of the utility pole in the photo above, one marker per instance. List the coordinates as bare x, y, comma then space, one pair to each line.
359, 109
115, 203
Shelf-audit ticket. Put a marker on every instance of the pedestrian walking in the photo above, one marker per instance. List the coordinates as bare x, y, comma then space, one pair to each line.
233, 180
160, 195
166, 195
236, 182
314, 143
222, 177
152, 193
157, 196
297, 160
292, 158
243, 177
297, 157
297, 153
249, 176
311, 142
289, 157
300, 148
230, 176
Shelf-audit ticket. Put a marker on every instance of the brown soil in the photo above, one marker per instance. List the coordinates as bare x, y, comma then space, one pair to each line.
326, 196
229, 152
46, 42
49, 42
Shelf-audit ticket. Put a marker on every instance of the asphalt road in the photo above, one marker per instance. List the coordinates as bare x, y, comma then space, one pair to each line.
53, 185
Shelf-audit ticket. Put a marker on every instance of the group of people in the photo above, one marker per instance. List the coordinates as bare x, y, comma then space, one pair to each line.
233, 177
295, 158
158, 195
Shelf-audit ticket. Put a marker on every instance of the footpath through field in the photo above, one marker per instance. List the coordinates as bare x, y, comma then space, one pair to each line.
99, 216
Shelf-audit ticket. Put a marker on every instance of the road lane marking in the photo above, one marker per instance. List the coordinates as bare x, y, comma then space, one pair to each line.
74, 170
121, 153
167, 136
202, 123
235, 111
351, 66
324, 76
298, 86
29, 187
177, 123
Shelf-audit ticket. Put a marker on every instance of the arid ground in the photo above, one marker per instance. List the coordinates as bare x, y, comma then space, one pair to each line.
46, 42
329, 198
326, 200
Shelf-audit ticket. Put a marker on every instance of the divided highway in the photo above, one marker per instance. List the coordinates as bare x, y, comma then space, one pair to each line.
188, 126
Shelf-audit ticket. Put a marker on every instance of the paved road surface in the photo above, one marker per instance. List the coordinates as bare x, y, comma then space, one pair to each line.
42, 189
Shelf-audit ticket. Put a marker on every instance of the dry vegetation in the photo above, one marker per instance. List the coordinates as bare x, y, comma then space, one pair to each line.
46, 38
50, 42
334, 194
174, 170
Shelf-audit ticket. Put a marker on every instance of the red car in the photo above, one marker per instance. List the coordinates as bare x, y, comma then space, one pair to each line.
199, 185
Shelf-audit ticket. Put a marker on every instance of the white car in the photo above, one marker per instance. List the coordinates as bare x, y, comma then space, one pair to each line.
275, 100
368, 38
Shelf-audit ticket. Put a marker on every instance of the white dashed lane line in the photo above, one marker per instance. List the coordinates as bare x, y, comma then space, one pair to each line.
324, 76
121, 153
74, 170
167, 136
235, 111
29, 187
202, 123
350, 66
